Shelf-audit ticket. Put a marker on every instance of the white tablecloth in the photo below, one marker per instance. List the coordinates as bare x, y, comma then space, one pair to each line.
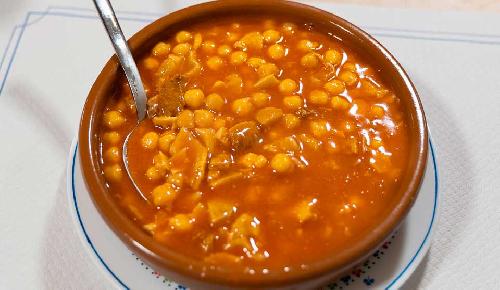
52, 60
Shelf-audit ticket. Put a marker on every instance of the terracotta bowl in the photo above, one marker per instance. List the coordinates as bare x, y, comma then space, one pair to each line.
188, 271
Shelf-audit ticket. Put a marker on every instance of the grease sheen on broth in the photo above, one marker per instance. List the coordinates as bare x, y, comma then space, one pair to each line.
268, 144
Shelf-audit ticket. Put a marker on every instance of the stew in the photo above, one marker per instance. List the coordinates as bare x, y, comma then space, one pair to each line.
268, 144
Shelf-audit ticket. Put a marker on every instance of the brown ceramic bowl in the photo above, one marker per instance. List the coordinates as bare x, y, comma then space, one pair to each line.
187, 270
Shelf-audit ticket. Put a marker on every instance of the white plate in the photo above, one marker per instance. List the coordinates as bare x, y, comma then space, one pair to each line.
388, 268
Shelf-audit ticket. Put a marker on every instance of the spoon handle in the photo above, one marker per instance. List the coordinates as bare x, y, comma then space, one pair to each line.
119, 42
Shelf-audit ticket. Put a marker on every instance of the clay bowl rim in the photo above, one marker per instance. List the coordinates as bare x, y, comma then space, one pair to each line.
160, 256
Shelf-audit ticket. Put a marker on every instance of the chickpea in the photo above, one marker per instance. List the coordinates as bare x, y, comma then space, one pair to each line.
238, 57
260, 99
288, 28
260, 162
348, 77
242, 107
197, 40
111, 137
181, 49
112, 154
306, 45
252, 160
150, 140
215, 102
194, 98
376, 112
113, 119
333, 56
165, 141
255, 62
282, 163
349, 66
271, 36
183, 36
224, 50
153, 173
318, 97
287, 86
292, 102
267, 69
113, 173
334, 87
319, 128
291, 121
276, 51
203, 118
309, 60
234, 83
151, 63
218, 85
161, 49
339, 103
215, 63
208, 47
185, 119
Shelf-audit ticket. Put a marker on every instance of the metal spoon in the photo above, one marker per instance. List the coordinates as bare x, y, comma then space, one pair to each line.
128, 64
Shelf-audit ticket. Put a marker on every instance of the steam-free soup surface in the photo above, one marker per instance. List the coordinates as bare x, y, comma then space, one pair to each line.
268, 145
